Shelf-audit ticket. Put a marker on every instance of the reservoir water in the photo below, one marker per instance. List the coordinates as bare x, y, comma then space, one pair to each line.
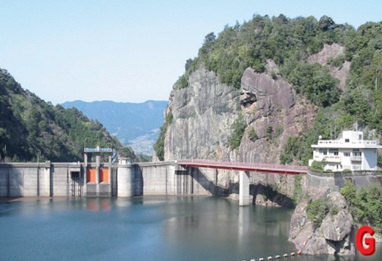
150, 228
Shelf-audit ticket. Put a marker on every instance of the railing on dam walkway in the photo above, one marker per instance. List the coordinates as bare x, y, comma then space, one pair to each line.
245, 166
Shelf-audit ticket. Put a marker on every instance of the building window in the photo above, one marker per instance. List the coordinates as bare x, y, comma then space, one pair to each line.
356, 152
347, 154
346, 140
357, 167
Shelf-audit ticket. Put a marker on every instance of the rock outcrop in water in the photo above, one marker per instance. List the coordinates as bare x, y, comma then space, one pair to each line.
333, 236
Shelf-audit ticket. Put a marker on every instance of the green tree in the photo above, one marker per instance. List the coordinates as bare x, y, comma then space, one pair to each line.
238, 129
252, 135
159, 144
33, 127
269, 132
317, 211
317, 165
364, 204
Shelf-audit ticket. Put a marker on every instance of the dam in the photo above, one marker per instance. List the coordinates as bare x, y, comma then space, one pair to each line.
239, 181
95, 179
128, 179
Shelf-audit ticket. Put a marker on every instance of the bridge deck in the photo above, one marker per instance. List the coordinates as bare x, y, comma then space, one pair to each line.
244, 166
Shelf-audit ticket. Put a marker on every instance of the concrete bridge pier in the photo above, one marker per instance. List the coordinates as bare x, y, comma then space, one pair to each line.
244, 189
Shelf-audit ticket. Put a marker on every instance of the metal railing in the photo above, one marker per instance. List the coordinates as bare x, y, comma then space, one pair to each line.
356, 158
341, 142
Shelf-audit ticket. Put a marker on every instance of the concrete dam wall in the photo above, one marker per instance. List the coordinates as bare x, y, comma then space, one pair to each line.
126, 179
39, 179
122, 180
154, 178
162, 178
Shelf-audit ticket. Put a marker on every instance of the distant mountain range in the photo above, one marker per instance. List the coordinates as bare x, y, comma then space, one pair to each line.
134, 124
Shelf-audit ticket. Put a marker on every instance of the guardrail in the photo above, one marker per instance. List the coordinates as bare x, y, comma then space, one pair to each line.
340, 142
346, 173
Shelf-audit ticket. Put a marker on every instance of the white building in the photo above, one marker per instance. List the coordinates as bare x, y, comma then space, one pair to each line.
350, 151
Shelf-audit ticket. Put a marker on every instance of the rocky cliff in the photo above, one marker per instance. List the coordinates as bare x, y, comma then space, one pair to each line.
203, 115
277, 113
205, 111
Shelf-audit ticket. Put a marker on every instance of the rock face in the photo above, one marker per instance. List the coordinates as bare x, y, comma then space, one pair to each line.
332, 51
203, 115
204, 112
276, 114
329, 51
331, 237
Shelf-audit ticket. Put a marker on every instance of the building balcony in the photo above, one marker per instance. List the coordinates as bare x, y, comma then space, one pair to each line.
341, 142
328, 158
356, 158
369, 144
332, 158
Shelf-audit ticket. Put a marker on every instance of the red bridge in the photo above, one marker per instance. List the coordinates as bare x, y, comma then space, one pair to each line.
244, 166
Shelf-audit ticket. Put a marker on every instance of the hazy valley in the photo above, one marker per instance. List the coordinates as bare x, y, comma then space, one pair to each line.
134, 124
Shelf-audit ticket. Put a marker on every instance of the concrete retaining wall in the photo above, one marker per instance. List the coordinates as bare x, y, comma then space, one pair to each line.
23, 180
61, 181
335, 181
35, 179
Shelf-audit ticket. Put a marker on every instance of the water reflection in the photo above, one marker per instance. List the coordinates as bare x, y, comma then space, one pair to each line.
98, 204
157, 228
223, 225
243, 224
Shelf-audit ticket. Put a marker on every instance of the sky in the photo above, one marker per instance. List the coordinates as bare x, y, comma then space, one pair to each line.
131, 51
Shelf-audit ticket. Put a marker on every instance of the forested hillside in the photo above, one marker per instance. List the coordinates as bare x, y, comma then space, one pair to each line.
345, 86
30, 128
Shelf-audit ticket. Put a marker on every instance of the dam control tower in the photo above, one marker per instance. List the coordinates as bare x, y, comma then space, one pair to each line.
97, 178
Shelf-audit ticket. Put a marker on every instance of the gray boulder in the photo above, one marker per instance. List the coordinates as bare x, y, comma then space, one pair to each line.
333, 236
